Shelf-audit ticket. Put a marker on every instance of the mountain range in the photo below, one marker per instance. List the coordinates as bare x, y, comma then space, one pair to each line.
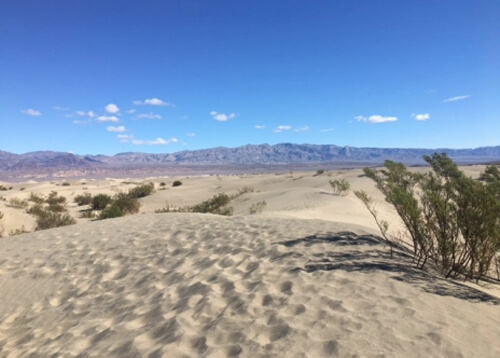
46, 163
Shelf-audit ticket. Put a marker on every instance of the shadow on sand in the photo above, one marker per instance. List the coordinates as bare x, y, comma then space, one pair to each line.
367, 253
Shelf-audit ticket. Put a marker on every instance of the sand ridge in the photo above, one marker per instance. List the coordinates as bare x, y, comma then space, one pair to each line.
201, 285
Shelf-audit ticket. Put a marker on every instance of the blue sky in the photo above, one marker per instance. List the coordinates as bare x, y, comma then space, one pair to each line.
103, 77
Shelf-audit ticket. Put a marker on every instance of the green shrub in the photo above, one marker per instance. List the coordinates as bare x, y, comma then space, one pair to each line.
215, 205
17, 203
66, 184
453, 221
100, 201
46, 219
340, 187
141, 191
163, 183
176, 183
36, 198
112, 211
128, 204
53, 199
83, 199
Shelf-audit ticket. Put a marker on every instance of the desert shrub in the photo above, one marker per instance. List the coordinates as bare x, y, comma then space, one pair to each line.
66, 184
56, 208
3, 188
176, 183
258, 207
53, 199
87, 214
20, 231
215, 205
83, 199
112, 211
22, 189
453, 221
163, 183
100, 201
46, 219
128, 204
340, 187
244, 190
36, 198
1, 225
17, 203
319, 172
141, 191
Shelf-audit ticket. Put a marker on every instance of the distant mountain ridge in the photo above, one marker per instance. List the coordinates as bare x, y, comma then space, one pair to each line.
247, 155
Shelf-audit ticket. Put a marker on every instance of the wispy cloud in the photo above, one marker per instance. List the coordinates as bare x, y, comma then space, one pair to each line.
129, 138
119, 129
153, 102
148, 116
421, 116
326, 130
59, 108
102, 119
375, 119
222, 117
457, 98
191, 134
112, 108
131, 111
302, 129
31, 112
259, 127
76, 121
282, 128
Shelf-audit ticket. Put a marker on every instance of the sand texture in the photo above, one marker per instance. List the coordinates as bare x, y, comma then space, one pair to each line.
287, 282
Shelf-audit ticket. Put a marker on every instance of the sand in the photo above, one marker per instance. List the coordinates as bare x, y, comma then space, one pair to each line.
306, 277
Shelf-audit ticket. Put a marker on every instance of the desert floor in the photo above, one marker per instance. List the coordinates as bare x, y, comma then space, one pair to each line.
305, 277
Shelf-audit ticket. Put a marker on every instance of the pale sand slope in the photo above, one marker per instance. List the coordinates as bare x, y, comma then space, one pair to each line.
187, 285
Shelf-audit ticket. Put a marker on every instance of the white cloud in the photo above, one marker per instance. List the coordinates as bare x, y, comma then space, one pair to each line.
282, 128
81, 122
157, 141
302, 129
153, 102
119, 129
81, 113
59, 108
421, 116
376, 119
91, 114
326, 130
102, 119
457, 98
191, 134
259, 127
31, 112
131, 111
112, 108
148, 116
222, 117
125, 138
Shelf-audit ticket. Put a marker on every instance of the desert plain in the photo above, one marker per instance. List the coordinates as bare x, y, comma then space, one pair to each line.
296, 271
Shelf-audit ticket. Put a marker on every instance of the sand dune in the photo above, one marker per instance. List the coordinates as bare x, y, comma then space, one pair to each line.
308, 277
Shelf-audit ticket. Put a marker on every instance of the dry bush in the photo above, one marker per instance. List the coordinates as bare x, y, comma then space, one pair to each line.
340, 186
17, 203
258, 207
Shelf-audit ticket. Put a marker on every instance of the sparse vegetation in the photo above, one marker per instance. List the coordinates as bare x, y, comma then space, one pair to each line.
141, 191
218, 204
20, 231
244, 190
319, 172
100, 201
1, 225
340, 186
54, 199
17, 203
176, 183
453, 220
83, 199
87, 214
36, 198
258, 207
